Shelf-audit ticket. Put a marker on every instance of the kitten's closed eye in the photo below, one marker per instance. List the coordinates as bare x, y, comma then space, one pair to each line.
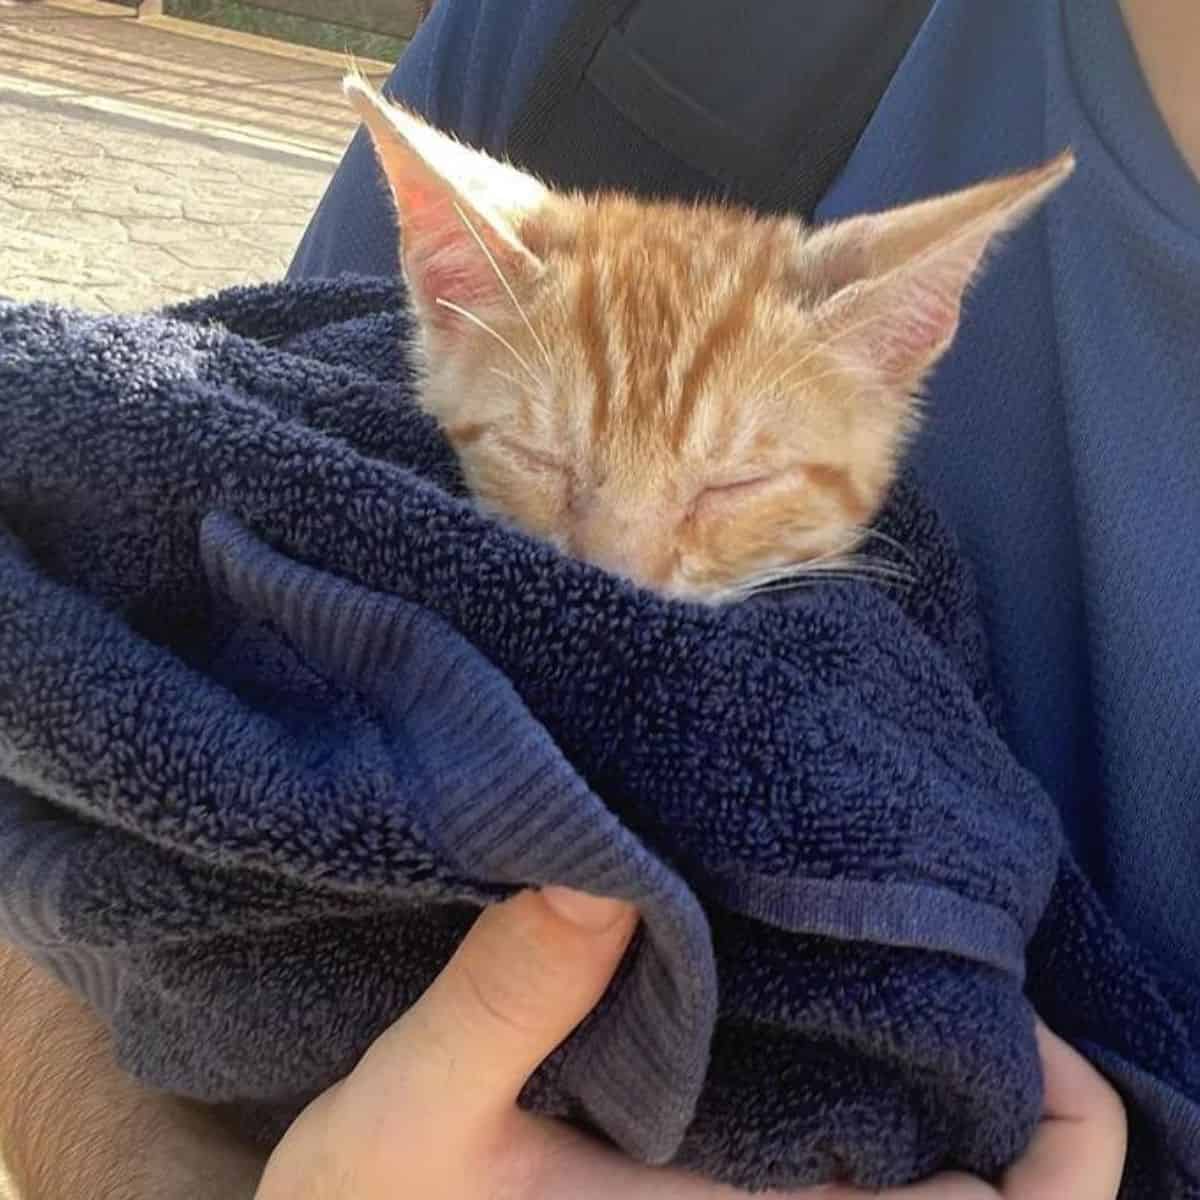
743, 385
717, 496
534, 460
471, 433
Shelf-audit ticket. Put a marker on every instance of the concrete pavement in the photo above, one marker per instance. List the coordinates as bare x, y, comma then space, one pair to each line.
145, 161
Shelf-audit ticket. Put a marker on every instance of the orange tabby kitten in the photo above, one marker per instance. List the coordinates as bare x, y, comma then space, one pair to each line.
705, 400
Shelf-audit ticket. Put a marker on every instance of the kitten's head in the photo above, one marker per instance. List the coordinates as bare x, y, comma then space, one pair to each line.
693, 396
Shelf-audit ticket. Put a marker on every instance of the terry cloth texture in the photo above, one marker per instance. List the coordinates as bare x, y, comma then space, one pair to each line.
279, 709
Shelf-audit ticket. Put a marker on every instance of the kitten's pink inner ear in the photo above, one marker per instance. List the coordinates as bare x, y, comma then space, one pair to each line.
906, 271
459, 248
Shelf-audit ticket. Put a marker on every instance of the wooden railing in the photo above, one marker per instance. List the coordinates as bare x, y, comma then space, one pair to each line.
392, 18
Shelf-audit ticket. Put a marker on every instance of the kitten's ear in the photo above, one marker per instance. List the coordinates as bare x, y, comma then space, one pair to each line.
902, 274
459, 211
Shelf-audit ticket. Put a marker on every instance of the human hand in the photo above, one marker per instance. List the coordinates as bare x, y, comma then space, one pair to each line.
431, 1108
1077, 1152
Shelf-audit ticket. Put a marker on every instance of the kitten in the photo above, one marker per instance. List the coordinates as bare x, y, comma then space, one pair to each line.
705, 400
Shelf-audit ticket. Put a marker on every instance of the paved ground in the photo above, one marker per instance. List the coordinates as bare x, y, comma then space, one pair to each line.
140, 163
120, 219
146, 161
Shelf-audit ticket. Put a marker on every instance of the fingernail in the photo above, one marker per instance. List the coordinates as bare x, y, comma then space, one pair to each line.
593, 913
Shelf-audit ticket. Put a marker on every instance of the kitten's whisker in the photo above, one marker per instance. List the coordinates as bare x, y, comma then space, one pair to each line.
537, 341
822, 579
787, 583
866, 532
855, 534
520, 384
863, 567
773, 358
783, 347
866, 380
835, 553
837, 564
823, 570
831, 572
827, 343
788, 343
480, 323
868, 560
796, 585
851, 540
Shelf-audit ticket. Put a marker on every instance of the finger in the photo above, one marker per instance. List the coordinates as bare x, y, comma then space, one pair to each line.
572, 1164
1077, 1151
953, 1185
1079, 1148
525, 975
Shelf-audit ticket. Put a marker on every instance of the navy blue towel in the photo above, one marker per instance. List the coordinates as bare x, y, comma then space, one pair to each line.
279, 710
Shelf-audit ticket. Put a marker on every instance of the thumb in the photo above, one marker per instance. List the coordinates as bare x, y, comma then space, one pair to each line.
526, 974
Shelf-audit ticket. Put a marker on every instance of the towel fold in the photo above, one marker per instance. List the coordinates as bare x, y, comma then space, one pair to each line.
279, 709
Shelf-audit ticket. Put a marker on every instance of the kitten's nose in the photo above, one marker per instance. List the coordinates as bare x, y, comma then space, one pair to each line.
621, 544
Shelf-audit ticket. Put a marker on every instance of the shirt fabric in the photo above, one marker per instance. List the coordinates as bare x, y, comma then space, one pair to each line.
1063, 428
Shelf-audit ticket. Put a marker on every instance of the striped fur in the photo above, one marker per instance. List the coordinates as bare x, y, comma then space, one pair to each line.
700, 398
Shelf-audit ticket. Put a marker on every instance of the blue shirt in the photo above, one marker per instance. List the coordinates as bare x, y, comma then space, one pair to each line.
1063, 434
